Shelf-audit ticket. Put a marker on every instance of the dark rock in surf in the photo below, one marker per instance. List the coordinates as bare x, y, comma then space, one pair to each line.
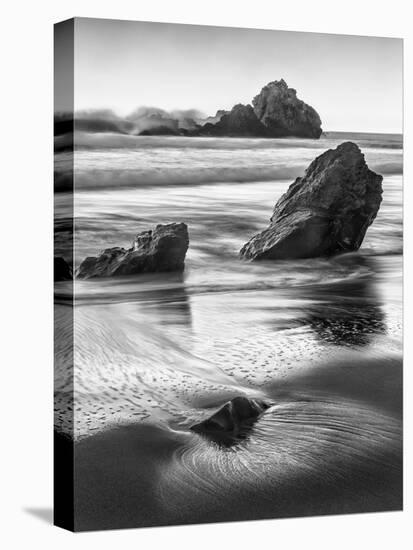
232, 421
62, 270
325, 212
162, 249
241, 121
283, 114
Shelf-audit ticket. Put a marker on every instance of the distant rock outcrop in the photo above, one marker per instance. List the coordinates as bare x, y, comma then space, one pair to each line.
323, 213
276, 112
232, 421
241, 121
162, 249
62, 270
283, 114
214, 119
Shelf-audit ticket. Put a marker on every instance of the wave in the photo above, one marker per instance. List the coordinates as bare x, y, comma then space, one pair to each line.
123, 179
108, 160
387, 168
115, 140
116, 179
85, 140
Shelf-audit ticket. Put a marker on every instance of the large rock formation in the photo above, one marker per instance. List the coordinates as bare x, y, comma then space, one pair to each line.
162, 249
241, 121
232, 421
283, 114
325, 212
277, 112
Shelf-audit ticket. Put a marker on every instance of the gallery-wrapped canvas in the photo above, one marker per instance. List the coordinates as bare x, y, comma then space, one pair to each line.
228, 274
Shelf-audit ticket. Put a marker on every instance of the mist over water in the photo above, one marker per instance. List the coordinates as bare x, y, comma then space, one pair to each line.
168, 349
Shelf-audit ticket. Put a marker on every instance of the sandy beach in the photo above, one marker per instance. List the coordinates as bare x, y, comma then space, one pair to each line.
308, 455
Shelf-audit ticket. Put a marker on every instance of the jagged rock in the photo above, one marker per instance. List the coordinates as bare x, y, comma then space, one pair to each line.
214, 119
283, 114
162, 249
323, 213
233, 420
241, 121
62, 270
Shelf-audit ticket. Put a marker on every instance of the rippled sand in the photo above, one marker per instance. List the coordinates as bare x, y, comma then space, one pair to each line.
334, 449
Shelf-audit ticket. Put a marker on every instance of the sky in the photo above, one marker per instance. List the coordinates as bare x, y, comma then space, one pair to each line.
354, 82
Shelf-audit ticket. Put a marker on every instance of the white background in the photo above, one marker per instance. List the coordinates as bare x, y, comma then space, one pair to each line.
26, 272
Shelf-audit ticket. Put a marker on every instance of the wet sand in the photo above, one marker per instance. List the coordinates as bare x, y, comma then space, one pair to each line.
332, 446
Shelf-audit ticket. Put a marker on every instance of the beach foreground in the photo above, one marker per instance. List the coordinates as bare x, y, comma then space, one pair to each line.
331, 444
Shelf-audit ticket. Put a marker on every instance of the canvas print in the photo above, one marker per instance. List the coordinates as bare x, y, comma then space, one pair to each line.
228, 274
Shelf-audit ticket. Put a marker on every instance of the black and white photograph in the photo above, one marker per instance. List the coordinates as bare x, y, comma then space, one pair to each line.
228, 274
207, 250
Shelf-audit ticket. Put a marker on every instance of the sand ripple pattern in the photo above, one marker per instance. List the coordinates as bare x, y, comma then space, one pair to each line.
298, 452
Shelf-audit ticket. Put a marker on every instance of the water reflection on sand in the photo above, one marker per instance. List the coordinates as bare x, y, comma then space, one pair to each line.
161, 348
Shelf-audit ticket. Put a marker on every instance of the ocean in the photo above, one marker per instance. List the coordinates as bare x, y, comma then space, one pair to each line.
320, 338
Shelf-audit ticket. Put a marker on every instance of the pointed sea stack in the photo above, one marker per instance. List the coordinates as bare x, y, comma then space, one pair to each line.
325, 212
283, 114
